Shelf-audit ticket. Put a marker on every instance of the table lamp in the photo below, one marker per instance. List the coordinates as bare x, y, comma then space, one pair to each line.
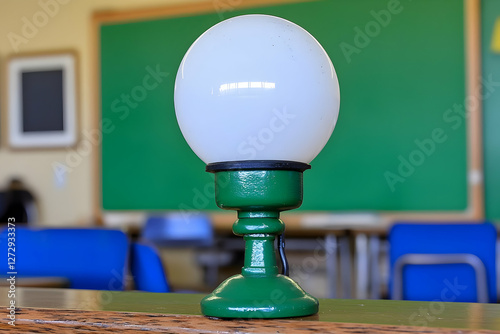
257, 98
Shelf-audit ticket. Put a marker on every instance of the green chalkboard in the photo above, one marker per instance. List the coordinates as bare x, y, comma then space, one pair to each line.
400, 141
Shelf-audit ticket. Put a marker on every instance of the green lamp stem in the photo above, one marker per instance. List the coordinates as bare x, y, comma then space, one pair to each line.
259, 291
259, 254
260, 259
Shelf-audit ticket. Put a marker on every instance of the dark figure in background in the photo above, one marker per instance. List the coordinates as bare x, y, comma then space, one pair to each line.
18, 203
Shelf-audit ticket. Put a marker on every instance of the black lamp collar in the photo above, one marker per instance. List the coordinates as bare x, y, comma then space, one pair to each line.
257, 165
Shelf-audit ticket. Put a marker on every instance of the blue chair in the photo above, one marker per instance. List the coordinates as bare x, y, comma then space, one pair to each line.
445, 262
186, 230
179, 229
88, 258
147, 269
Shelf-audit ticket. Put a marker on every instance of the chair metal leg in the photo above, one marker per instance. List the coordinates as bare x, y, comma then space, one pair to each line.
425, 259
384, 267
498, 270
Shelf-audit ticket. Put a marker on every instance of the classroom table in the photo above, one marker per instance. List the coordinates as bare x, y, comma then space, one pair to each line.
333, 240
83, 311
364, 276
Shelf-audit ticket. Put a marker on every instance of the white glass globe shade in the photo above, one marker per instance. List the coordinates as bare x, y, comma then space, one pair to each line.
256, 87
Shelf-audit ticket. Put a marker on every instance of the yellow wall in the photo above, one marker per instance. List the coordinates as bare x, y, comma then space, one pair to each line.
69, 28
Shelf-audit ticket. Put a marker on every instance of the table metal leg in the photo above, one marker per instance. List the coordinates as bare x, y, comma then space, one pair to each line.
374, 246
361, 266
345, 266
331, 265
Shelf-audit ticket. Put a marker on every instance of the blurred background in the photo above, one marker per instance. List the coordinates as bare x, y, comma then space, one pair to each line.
93, 147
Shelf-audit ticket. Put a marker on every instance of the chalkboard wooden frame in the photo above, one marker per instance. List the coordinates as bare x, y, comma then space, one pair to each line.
475, 185
62, 64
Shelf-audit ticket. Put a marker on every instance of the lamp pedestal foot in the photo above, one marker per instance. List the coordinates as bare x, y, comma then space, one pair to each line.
259, 297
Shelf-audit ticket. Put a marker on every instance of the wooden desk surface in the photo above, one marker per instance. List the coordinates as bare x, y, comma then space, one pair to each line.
84, 311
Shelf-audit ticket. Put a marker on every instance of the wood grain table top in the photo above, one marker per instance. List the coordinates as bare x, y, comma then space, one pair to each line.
84, 311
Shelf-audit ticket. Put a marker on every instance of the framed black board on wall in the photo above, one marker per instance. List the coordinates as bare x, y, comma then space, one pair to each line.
41, 100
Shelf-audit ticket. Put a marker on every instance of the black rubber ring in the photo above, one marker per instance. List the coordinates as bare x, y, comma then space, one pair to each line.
257, 165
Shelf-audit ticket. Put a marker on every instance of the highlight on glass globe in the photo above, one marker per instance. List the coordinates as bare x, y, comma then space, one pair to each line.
257, 98
256, 87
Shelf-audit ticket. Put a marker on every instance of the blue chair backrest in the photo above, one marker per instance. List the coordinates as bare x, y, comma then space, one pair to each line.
179, 229
89, 258
147, 269
444, 282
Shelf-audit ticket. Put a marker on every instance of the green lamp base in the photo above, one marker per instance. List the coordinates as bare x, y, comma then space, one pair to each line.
259, 191
259, 297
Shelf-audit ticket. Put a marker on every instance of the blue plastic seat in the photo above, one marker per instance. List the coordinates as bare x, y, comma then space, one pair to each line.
147, 269
179, 229
444, 262
88, 258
